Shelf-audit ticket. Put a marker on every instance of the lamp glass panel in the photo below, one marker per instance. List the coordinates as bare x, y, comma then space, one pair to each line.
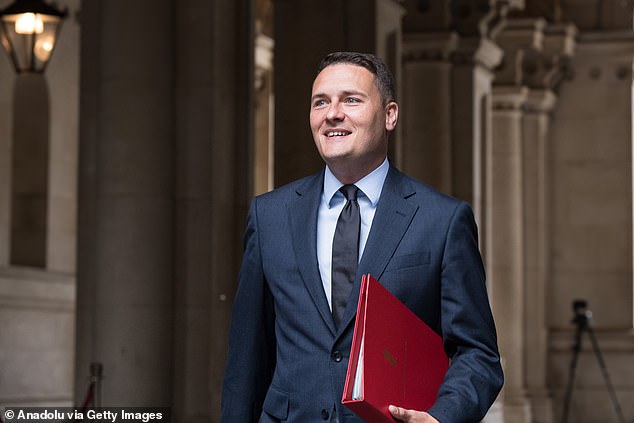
5, 41
29, 23
31, 39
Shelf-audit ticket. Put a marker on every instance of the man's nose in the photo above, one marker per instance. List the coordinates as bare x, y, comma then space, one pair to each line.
335, 111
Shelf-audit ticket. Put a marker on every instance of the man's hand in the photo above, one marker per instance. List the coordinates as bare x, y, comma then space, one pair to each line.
411, 416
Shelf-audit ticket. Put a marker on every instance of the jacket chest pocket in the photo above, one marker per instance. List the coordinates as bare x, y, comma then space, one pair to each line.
409, 260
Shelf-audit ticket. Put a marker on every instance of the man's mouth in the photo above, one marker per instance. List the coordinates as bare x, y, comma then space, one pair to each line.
332, 134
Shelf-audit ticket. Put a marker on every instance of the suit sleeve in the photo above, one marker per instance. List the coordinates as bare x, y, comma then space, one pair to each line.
475, 376
251, 352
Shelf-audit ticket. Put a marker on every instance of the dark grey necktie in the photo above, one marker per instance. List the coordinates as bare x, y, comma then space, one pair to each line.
345, 252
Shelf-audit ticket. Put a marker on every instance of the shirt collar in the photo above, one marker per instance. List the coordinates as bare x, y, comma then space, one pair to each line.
371, 185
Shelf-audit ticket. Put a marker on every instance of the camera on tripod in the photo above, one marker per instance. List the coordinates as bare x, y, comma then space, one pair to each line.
581, 313
581, 319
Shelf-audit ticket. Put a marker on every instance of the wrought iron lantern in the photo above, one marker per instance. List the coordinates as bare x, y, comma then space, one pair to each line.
29, 31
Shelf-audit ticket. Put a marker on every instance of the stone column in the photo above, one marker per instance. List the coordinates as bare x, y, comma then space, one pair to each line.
505, 239
512, 229
544, 72
213, 180
535, 131
125, 265
7, 75
30, 171
425, 114
62, 74
264, 142
471, 81
359, 25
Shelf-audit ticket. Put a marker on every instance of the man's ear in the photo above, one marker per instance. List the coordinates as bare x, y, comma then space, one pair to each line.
391, 116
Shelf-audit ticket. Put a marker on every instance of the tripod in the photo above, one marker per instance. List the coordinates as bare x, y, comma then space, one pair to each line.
581, 320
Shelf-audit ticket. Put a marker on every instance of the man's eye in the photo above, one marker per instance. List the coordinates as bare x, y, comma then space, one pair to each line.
319, 103
352, 100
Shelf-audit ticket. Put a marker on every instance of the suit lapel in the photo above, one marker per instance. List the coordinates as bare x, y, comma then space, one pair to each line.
302, 213
393, 217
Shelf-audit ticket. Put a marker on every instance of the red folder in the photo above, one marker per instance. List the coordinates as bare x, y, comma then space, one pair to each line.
395, 357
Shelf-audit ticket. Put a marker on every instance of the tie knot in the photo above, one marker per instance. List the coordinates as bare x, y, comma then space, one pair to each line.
349, 191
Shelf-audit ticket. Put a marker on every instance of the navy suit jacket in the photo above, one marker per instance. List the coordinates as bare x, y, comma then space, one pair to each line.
287, 361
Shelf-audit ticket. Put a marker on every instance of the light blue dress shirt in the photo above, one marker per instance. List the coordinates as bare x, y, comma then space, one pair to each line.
332, 202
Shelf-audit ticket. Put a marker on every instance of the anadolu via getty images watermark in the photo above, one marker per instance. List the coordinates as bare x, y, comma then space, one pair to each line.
72, 415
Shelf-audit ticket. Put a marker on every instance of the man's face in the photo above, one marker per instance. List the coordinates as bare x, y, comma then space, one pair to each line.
348, 119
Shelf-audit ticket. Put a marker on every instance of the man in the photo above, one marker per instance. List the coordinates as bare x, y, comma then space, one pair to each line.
293, 314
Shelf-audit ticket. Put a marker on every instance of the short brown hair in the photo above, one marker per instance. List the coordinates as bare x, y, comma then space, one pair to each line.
382, 75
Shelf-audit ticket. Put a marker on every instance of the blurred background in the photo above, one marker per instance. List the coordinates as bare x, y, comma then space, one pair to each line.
128, 162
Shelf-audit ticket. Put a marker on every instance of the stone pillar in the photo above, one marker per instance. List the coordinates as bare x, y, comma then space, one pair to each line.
535, 131
425, 114
475, 57
526, 64
471, 80
7, 75
359, 25
264, 148
214, 129
515, 199
507, 232
125, 264
62, 74
30, 171
505, 239
544, 72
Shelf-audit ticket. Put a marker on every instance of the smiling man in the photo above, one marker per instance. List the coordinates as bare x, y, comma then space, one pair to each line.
307, 245
351, 121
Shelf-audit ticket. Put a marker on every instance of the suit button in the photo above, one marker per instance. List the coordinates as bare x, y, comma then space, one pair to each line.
324, 414
337, 356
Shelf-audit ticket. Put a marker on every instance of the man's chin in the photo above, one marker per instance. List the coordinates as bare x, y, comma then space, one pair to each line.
339, 158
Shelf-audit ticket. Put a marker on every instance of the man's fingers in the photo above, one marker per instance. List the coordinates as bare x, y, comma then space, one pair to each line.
411, 416
398, 412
